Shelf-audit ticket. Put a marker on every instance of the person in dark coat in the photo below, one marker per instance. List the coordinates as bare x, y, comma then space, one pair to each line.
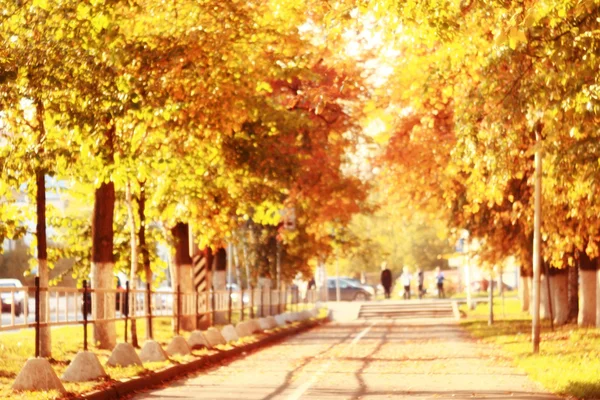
386, 279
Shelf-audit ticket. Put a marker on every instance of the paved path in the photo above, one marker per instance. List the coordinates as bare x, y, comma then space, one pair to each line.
374, 359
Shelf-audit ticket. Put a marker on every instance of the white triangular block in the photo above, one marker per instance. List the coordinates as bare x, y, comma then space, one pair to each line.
229, 333
178, 346
152, 351
243, 329
214, 337
37, 375
123, 355
84, 367
254, 326
272, 322
264, 324
197, 340
280, 319
306, 315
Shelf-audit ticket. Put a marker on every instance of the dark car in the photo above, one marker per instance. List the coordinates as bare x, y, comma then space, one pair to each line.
6, 298
349, 290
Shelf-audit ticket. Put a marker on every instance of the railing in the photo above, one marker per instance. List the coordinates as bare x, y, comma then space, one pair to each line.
71, 306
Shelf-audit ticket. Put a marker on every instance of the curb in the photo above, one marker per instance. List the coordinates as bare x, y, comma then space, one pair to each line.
156, 378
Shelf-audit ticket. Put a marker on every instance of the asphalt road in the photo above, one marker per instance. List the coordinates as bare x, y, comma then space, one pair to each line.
372, 359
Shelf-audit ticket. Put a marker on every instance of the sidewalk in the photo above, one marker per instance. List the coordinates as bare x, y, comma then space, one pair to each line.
381, 359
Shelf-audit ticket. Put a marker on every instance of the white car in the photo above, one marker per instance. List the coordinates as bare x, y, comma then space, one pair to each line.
6, 297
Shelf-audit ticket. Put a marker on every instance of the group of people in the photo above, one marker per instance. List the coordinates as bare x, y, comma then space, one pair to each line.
405, 281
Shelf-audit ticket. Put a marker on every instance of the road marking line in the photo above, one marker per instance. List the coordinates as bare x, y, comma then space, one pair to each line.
299, 392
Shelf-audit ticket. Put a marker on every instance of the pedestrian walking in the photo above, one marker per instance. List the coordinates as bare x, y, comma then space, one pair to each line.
405, 279
439, 278
386, 279
420, 281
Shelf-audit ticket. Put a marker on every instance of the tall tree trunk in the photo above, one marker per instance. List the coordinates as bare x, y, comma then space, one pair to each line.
524, 288
246, 264
544, 296
141, 200
43, 273
42, 246
220, 269
236, 262
40, 229
559, 287
587, 306
183, 275
573, 292
103, 305
134, 263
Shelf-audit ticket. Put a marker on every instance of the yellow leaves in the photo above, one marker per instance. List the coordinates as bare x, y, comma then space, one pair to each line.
99, 22
83, 11
575, 133
43, 4
264, 87
267, 213
515, 37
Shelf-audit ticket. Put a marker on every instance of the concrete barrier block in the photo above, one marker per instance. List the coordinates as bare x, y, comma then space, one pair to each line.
197, 340
304, 315
264, 324
255, 326
152, 351
37, 375
229, 333
243, 329
178, 346
214, 337
123, 355
272, 322
281, 320
84, 367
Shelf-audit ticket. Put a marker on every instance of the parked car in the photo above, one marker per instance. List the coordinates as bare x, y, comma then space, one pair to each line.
6, 298
368, 288
349, 290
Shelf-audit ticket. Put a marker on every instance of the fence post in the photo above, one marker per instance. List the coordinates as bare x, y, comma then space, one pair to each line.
149, 316
125, 304
212, 304
229, 304
251, 303
37, 316
178, 307
85, 312
242, 300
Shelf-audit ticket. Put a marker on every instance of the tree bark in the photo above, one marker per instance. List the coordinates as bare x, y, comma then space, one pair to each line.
246, 264
573, 291
103, 305
559, 287
183, 276
43, 273
134, 264
544, 298
524, 289
141, 200
587, 306
42, 243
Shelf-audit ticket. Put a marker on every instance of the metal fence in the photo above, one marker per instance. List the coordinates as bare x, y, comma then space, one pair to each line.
73, 306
